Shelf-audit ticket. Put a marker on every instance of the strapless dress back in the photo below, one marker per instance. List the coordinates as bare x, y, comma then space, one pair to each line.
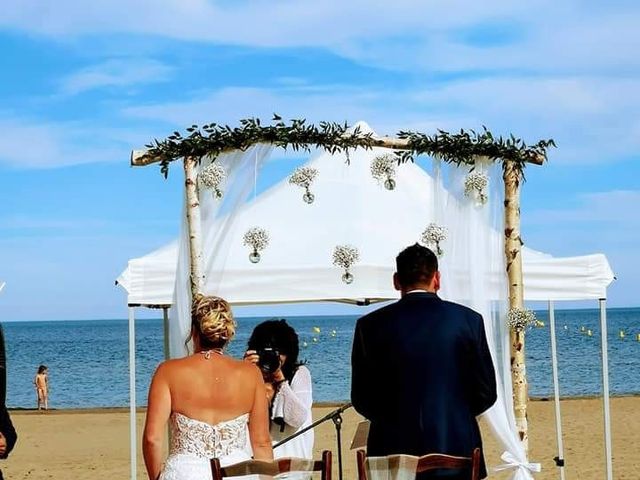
194, 443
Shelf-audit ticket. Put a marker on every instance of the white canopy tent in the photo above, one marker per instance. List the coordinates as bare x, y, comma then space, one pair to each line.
379, 222
351, 208
150, 280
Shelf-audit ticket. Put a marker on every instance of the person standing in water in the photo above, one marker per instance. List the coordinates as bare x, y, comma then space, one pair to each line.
41, 383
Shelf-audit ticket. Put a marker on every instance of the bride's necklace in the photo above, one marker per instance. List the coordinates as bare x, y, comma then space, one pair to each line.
207, 353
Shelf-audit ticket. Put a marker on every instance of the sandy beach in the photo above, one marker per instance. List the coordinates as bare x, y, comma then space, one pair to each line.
94, 444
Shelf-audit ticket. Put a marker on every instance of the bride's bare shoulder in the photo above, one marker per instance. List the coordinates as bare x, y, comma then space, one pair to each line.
168, 366
162, 368
246, 369
241, 365
238, 367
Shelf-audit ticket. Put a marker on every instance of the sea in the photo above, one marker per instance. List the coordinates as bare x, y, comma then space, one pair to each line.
88, 360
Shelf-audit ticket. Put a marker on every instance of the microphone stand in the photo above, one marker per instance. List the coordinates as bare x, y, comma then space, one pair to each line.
336, 417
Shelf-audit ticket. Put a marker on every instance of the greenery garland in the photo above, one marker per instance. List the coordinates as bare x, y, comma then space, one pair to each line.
459, 148
466, 146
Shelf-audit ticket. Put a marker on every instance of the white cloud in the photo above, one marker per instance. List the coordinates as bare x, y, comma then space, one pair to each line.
22, 222
568, 70
385, 111
593, 119
115, 73
590, 118
261, 23
30, 144
233, 103
550, 36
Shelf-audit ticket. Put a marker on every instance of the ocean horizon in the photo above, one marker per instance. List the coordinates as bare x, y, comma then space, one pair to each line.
88, 360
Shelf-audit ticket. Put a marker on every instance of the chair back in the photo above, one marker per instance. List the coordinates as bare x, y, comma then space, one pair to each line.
426, 463
274, 468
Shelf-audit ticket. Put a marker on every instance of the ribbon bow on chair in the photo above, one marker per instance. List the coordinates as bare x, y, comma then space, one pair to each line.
524, 468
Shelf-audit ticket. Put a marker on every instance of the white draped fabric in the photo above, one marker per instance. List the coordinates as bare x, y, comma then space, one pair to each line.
216, 219
472, 267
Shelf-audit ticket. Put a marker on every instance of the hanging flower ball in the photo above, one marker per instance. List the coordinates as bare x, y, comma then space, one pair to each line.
475, 186
258, 239
212, 177
520, 318
433, 235
304, 177
383, 169
344, 256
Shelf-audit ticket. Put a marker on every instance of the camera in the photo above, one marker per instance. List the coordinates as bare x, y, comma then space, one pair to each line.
269, 360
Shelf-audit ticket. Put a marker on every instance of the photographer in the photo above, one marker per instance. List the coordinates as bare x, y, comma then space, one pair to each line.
273, 346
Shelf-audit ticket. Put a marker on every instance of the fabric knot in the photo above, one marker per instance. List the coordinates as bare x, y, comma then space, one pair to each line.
511, 462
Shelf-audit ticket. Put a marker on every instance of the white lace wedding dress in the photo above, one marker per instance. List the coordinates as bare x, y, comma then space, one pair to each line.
194, 443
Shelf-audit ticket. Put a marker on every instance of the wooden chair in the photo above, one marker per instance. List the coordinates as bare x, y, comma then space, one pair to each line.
433, 461
276, 467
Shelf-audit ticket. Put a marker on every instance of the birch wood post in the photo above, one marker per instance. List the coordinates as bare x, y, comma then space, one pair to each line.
513, 253
141, 158
193, 224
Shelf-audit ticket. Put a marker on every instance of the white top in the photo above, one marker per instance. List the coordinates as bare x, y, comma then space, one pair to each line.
293, 404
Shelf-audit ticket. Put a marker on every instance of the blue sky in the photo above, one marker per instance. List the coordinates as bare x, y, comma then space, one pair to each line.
83, 83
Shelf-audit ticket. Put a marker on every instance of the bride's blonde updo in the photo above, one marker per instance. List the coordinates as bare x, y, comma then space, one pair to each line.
212, 321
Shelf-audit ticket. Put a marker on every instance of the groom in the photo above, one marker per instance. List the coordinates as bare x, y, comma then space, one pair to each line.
422, 370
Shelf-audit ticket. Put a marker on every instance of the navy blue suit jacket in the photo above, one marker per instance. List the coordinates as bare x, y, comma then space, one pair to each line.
421, 373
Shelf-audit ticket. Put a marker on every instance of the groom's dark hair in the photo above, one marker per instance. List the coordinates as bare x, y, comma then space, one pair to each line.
416, 265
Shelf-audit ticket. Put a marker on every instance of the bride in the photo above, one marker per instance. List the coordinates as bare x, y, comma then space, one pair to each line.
209, 400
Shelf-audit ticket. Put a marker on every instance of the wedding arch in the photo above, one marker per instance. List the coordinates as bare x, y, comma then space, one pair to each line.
211, 152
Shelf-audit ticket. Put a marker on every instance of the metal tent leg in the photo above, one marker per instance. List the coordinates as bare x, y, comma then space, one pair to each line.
605, 387
556, 390
167, 353
133, 438
165, 325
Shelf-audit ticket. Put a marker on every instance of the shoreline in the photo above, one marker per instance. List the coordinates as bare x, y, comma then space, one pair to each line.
327, 404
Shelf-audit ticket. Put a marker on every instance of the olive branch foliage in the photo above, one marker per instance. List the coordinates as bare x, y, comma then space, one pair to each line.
460, 148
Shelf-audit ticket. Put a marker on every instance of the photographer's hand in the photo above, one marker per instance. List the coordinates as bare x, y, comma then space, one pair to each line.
251, 356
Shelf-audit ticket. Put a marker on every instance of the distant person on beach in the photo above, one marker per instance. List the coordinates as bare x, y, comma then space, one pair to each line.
209, 400
422, 371
41, 382
274, 347
8, 435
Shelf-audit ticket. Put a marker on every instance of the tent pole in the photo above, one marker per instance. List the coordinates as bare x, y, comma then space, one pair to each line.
193, 223
556, 389
167, 354
512, 176
165, 327
605, 387
132, 393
